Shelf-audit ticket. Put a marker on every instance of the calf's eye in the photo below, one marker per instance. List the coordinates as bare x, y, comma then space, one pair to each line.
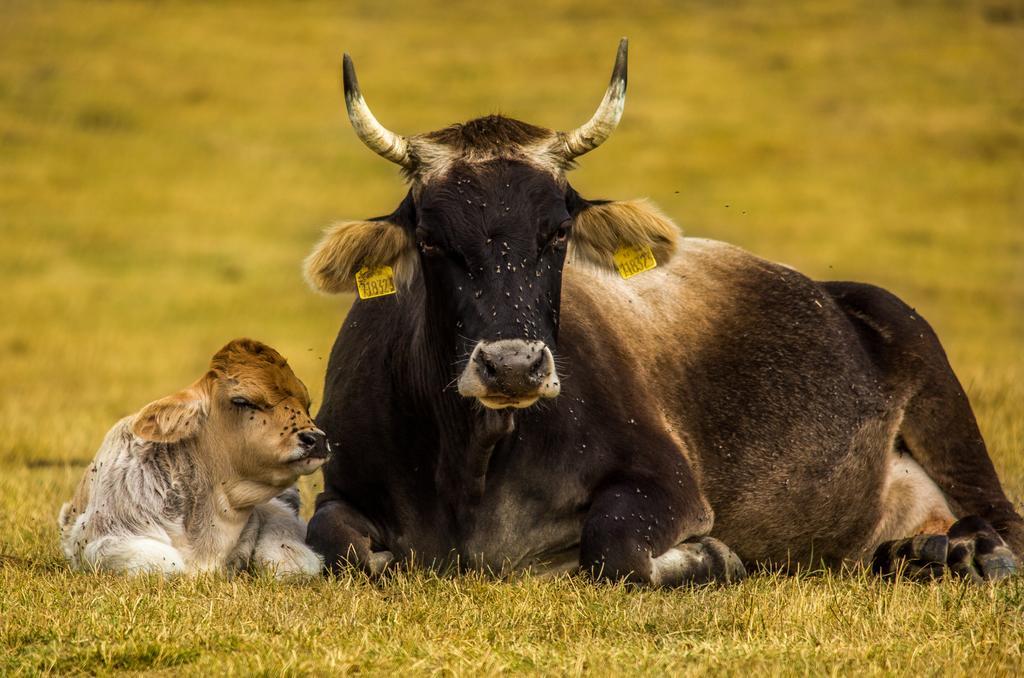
239, 401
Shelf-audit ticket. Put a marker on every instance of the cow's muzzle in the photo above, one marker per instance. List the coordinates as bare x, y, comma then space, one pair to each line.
509, 373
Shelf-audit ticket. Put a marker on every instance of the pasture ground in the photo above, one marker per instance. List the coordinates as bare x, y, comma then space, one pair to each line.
164, 168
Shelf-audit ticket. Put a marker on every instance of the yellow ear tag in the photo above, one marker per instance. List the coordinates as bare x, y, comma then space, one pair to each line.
633, 259
378, 281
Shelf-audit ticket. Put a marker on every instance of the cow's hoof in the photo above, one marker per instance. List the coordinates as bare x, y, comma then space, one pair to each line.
996, 566
734, 571
701, 561
972, 549
978, 553
920, 558
378, 562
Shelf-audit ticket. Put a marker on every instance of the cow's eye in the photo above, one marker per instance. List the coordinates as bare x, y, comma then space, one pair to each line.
239, 401
562, 232
426, 243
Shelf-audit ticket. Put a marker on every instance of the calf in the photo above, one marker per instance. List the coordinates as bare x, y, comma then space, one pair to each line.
202, 480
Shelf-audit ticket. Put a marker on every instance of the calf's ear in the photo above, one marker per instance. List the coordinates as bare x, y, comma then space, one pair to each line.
600, 228
172, 419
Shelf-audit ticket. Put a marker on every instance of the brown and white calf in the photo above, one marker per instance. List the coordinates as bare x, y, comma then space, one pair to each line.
202, 480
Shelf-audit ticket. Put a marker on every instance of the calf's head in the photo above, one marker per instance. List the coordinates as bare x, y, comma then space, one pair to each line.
248, 415
486, 227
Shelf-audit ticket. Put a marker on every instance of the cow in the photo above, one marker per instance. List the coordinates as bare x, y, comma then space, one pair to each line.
533, 380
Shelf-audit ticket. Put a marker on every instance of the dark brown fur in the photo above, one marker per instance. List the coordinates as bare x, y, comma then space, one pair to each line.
489, 134
718, 398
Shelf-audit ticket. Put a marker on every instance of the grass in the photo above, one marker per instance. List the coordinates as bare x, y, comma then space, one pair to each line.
165, 167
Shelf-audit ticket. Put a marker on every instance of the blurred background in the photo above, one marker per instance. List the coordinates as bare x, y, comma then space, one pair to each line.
165, 167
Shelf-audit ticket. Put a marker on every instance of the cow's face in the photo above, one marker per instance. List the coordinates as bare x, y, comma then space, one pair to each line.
492, 240
486, 229
249, 416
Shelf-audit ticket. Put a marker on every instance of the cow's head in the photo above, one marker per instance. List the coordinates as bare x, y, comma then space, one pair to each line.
486, 228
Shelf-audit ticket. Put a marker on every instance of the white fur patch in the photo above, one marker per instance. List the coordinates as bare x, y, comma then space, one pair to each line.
276, 542
133, 555
129, 521
910, 500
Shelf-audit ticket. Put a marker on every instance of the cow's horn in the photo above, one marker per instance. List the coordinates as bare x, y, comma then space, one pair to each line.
598, 128
380, 139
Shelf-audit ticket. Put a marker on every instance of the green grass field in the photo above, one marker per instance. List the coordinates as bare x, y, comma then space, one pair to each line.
164, 168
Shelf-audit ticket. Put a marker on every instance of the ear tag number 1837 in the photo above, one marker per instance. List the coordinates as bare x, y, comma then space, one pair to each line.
378, 281
634, 259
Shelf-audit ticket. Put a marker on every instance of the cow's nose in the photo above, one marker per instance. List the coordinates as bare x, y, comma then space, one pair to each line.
313, 442
512, 368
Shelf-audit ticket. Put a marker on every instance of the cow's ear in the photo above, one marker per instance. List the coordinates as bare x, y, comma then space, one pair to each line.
600, 228
347, 247
174, 418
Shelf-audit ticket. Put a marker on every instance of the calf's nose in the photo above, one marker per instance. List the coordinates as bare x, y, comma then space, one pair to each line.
314, 442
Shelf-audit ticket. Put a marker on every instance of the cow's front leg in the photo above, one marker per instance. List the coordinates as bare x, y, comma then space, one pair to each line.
343, 536
647, 533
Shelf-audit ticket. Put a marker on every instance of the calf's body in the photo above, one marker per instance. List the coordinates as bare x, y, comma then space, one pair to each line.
202, 480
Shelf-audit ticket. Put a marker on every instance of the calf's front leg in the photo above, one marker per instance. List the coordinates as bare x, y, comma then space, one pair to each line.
280, 546
273, 540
